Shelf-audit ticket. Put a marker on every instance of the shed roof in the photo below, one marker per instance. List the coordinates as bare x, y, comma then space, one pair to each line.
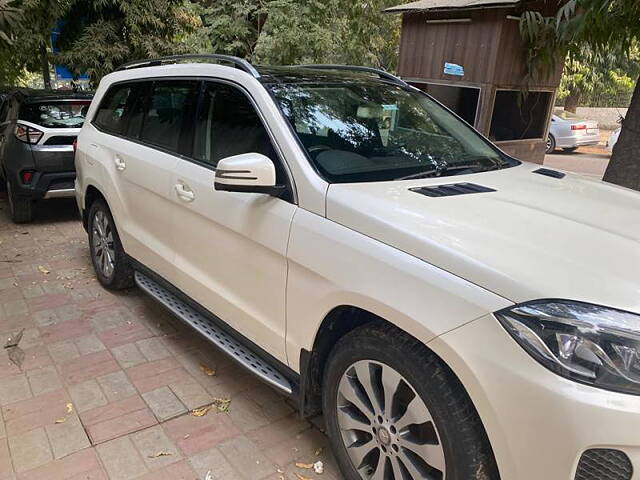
425, 5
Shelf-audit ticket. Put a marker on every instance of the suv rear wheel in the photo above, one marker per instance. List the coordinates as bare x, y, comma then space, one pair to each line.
395, 411
107, 255
21, 208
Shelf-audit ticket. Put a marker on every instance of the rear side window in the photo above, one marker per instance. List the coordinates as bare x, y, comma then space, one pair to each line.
111, 115
55, 113
168, 120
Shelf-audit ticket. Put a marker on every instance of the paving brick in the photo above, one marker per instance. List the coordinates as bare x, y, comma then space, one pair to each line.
116, 386
66, 330
36, 357
32, 291
14, 389
191, 393
3, 430
6, 468
211, 460
121, 460
115, 317
125, 334
44, 380
279, 431
47, 302
29, 450
14, 307
87, 395
62, 352
153, 441
163, 403
128, 355
176, 471
246, 414
30, 338
89, 344
177, 375
67, 437
113, 410
195, 434
80, 465
121, 425
245, 456
88, 366
42, 403
153, 349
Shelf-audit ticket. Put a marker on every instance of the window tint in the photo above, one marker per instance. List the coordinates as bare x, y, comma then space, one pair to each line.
168, 118
111, 114
228, 125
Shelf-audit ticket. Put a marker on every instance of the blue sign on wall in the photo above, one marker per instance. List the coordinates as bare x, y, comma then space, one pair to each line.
453, 69
62, 72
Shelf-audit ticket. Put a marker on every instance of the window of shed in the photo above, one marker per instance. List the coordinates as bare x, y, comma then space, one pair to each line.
462, 100
518, 117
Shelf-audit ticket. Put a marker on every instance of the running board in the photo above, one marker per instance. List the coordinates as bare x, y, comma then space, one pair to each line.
214, 334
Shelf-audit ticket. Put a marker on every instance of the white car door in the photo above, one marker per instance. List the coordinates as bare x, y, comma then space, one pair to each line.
231, 247
142, 158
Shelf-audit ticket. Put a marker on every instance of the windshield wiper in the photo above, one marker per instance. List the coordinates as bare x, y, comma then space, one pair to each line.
438, 171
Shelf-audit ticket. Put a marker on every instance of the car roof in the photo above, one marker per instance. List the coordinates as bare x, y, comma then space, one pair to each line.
31, 95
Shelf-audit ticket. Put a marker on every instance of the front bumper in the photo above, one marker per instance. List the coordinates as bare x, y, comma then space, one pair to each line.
539, 424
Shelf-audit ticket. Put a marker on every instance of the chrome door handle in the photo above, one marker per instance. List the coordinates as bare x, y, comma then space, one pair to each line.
184, 192
120, 164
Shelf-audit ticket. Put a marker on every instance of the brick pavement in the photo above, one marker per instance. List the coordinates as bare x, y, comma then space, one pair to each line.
131, 372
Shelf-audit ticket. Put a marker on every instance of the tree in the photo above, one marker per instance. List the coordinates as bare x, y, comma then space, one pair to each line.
97, 36
606, 27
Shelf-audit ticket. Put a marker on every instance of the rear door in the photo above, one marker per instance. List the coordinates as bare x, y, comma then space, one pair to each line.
141, 153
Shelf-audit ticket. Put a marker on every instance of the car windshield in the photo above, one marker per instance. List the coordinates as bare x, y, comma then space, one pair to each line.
374, 131
56, 114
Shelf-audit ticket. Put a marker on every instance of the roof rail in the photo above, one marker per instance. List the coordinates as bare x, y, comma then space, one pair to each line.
354, 68
211, 57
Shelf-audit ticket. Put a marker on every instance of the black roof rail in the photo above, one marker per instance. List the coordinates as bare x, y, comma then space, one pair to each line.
355, 68
211, 57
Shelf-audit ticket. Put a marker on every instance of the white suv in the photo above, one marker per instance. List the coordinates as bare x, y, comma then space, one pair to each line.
454, 313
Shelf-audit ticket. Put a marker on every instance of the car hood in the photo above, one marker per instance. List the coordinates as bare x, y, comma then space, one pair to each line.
533, 237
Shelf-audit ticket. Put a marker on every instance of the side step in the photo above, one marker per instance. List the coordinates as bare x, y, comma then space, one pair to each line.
218, 337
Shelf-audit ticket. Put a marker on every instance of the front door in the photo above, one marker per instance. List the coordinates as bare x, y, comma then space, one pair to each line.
231, 247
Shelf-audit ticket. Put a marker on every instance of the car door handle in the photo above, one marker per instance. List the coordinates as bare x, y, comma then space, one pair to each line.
120, 164
184, 192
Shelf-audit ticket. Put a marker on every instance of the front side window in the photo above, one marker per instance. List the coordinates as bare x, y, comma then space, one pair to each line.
373, 131
168, 118
55, 113
228, 125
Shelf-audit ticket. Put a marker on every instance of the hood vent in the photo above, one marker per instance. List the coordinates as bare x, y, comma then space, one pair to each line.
451, 190
547, 172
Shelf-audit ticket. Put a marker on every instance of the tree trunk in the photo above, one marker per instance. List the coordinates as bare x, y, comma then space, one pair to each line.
624, 166
572, 100
46, 76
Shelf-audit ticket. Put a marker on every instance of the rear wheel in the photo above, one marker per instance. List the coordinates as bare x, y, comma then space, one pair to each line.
394, 411
21, 209
107, 255
551, 144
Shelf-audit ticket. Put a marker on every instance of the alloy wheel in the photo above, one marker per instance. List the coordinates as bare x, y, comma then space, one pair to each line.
103, 248
387, 429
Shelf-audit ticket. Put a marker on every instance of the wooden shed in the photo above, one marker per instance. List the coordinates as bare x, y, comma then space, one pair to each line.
469, 55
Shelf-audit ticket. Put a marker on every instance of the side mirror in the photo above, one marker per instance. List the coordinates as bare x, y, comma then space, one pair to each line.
248, 173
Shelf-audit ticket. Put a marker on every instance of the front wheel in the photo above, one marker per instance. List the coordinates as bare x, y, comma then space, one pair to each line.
394, 411
550, 145
107, 255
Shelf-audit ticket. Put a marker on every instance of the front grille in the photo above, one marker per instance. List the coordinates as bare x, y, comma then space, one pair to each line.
604, 464
452, 189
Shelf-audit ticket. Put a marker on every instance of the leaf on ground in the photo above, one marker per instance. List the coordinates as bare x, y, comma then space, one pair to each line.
307, 466
16, 355
43, 270
318, 451
200, 412
208, 476
207, 370
318, 467
61, 420
302, 477
69, 407
161, 453
222, 404
14, 340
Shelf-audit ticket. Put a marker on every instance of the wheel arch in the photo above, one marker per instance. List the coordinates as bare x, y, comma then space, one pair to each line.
91, 194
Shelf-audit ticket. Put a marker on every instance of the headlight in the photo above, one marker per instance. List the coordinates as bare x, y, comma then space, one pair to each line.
587, 343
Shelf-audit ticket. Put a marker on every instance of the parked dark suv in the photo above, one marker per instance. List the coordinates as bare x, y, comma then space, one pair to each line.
37, 131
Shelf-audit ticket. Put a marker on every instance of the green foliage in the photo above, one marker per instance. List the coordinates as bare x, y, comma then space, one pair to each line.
10, 20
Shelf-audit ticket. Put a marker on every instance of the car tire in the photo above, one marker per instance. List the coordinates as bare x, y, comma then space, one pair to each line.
110, 263
570, 149
21, 209
451, 442
551, 144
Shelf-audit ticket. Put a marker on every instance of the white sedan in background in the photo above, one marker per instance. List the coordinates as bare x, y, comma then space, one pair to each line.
568, 131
